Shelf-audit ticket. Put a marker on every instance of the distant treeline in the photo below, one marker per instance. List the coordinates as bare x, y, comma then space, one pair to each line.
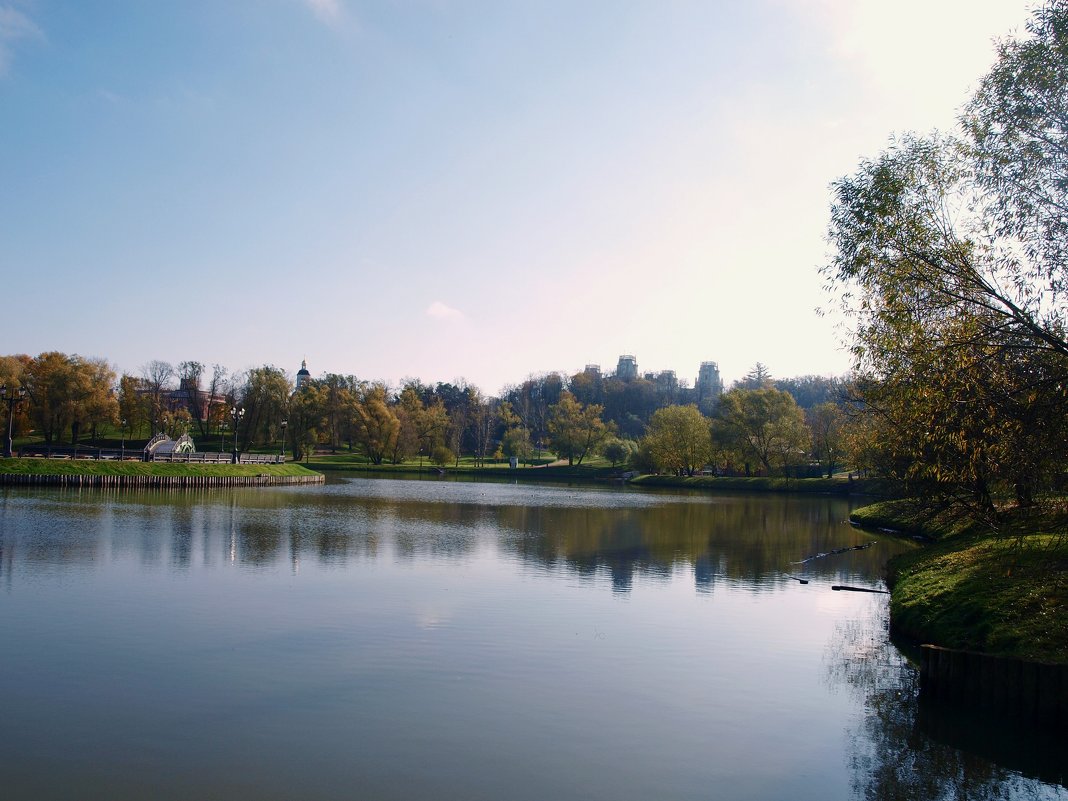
637, 421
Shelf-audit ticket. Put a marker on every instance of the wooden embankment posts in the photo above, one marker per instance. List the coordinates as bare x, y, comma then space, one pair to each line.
1030, 691
154, 482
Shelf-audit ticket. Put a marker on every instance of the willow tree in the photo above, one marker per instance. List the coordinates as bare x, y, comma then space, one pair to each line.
69, 392
951, 261
377, 427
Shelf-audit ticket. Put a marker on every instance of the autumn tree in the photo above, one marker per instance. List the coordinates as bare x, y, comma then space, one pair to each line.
47, 380
789, 438
338, 402
306, 418
422, 426
265, 398
96, 403
679, 440
516, 442
761, 425
576, 430
587, 387
950, 259
13, 375
70, 392
132, 406
376, 425
441, 456
13, 371
618, 451
826, 422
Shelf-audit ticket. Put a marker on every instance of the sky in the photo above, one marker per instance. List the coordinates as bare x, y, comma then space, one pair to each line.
452, 190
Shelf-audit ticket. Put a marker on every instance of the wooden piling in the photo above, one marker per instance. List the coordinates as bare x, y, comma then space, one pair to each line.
1031, 691
154, 482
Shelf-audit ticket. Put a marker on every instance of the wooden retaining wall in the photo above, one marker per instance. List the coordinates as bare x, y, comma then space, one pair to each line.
154, 482
1031, 691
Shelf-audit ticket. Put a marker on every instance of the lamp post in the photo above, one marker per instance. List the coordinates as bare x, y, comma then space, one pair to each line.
122, 446
12, 396
284, 424
236, 413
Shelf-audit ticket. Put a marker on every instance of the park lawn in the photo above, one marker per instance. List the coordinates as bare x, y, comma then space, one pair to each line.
73, 467
1003, 593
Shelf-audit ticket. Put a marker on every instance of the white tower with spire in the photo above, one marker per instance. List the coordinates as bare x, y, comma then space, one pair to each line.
302, 374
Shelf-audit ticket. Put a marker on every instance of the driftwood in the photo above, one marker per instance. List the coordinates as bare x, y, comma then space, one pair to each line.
857, 589
834, 552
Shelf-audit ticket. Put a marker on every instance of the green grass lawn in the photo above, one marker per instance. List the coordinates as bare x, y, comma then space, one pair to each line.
1002, 593
128, 468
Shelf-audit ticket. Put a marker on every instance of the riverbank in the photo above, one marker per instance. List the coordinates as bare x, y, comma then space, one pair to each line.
599, 471
91, 472
836, 485
1002, 593
546, 470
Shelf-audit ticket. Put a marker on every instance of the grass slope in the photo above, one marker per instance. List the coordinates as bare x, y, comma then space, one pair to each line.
1001, 592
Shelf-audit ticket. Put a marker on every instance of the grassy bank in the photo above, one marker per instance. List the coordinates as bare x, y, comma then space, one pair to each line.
837, 485
598, 470
546, 469
56, 467
1002, 592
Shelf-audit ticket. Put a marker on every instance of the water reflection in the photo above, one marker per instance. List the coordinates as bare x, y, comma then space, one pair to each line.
471, 641
902, 749
749, 540
591, 534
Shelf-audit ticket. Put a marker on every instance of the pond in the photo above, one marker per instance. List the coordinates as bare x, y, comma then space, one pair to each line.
388, 639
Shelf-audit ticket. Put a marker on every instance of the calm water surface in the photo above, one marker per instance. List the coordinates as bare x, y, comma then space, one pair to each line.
391, 639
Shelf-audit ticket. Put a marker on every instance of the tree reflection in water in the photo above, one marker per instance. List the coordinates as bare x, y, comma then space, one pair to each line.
899, 750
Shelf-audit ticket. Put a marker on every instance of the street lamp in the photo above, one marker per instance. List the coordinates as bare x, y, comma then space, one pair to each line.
284, 424
12, 396
237, 413
122, 446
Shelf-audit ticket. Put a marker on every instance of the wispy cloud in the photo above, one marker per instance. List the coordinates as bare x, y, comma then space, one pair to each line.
439, 311
329, 11
14, 27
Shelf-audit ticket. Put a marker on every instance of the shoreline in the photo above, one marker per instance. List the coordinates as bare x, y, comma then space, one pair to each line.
839, 485
987, 610
151, 481
37, 472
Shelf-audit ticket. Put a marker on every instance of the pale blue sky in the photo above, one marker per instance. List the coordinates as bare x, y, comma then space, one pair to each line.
450, 189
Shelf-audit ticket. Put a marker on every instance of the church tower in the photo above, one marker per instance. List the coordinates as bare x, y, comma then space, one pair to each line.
302, 374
